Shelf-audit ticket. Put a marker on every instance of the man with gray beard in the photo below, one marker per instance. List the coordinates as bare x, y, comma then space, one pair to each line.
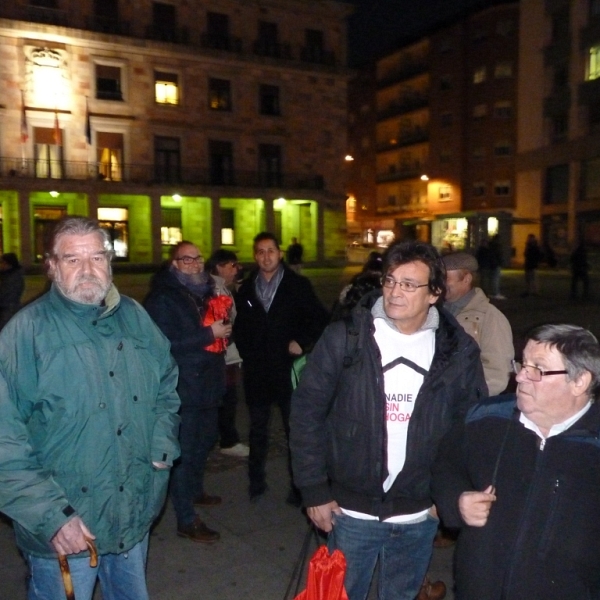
88, 423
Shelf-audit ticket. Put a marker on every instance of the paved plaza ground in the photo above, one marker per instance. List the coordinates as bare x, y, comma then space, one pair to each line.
260, 542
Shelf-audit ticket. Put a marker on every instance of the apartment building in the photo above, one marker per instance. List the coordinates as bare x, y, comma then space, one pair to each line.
184, 119
445, 133
558, 161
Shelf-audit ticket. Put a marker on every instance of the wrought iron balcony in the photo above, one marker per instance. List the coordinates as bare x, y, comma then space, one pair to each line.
144, 174
272, 49
228, 43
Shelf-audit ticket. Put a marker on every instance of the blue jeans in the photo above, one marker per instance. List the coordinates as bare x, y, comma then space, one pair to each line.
122, 576
198, 433
403, 550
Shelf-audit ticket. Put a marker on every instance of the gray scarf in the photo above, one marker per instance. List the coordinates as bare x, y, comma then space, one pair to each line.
455, 307
266, 290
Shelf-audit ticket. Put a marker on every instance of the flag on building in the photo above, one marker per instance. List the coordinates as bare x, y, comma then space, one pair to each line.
24, 129
56, 136
88, 125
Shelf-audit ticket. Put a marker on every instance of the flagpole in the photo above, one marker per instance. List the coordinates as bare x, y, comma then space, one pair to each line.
24, 132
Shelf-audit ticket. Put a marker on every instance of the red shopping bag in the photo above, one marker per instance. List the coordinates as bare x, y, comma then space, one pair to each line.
217, 308
325, 576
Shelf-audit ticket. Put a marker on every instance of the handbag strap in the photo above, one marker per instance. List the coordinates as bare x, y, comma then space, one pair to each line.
301, 562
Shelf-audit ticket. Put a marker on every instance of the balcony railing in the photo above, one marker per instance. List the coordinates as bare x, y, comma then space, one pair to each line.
272, 49
108, 25
143, 174
317, 56
403, 105
228, 43
174, 35
48, 16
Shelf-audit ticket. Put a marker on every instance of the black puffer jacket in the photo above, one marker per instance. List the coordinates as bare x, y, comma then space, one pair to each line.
175, 310
338, 429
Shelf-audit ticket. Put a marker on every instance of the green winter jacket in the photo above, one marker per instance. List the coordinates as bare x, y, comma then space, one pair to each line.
87, 404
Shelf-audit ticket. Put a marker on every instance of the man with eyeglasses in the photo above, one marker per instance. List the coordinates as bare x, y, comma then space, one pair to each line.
178, 301
88, 423
366, 423
521, 477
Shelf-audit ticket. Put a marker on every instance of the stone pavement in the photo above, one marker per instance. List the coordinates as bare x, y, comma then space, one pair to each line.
260, 542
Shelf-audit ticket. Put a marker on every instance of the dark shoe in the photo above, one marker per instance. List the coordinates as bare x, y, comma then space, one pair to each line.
432, 591
206, 500
294, 498
198, 532
256, 491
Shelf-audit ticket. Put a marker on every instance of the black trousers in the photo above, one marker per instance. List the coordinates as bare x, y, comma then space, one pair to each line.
262, 392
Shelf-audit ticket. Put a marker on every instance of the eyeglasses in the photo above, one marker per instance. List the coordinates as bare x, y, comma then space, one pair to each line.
534, 373
188, 260
405, 286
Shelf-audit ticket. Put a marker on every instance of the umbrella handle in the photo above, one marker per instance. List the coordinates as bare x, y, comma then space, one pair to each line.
65, 571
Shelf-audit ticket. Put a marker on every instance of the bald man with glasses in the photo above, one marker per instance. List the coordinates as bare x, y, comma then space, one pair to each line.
521, 477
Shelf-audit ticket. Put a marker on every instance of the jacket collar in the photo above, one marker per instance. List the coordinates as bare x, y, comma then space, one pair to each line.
87, 311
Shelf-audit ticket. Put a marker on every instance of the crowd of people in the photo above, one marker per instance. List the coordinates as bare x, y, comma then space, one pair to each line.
401, 420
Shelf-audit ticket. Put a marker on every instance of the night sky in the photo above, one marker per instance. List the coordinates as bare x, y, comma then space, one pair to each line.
378, 25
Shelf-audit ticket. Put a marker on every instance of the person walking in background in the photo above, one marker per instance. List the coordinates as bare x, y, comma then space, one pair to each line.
294, 255
580, 271
533, 256
224, 267
495, 267
179, 302
279, 318
376, 397
12, 286
88, 423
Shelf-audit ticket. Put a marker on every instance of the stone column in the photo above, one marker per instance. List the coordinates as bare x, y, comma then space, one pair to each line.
573, 198
320, 231
215, 209
25, 229
92, 204
270, 215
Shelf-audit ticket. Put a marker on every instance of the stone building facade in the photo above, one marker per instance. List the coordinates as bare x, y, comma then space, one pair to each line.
200, 120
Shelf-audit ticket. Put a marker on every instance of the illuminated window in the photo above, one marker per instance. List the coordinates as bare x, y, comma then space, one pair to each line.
108, 82
170, 230
219, 94
166, 88
48, 152
227, 227
594, 70
445, 193
479, 75
109, 152
44, 222
502, 188
503, 70
115, 221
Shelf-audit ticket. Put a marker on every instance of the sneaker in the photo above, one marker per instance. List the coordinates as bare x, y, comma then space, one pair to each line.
239, 450
197, 531
206, 500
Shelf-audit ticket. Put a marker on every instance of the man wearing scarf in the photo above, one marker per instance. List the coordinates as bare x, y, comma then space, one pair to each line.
279, 317
177, 302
